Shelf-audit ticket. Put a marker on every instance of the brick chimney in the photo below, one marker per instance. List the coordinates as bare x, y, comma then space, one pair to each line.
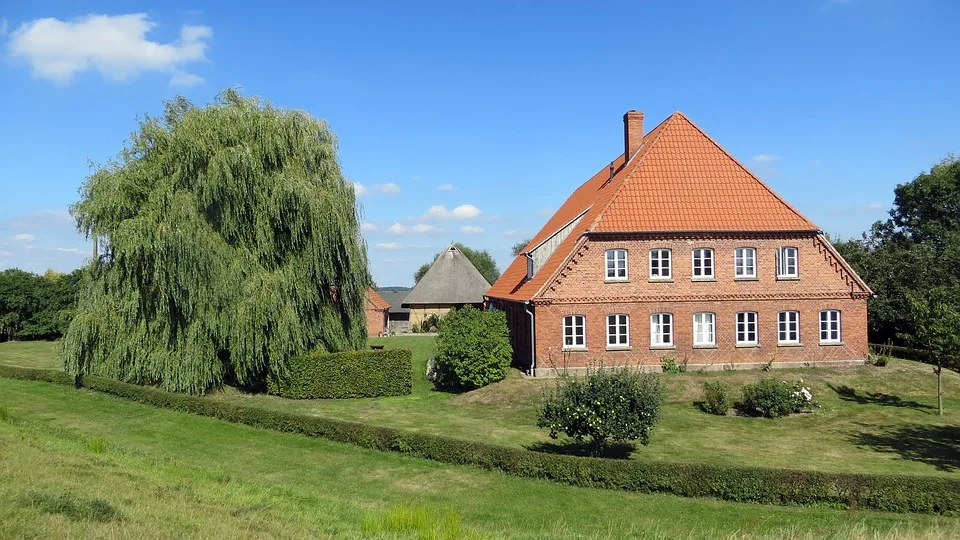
632, 133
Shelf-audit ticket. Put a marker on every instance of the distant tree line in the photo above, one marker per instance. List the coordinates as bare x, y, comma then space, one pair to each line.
912, 261
36, 306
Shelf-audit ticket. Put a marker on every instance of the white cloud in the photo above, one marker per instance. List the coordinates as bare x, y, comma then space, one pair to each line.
464, 211
116, 46
3, 27
389, 245
419, 228
367, 227
511, 234
817, 163
359, 189
71, 250
5, 253
387, 188
470, 229
24, 237
765, 158
445, 187
544, 212
872, 206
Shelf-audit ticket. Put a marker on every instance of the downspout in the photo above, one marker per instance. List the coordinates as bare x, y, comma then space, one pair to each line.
533, 341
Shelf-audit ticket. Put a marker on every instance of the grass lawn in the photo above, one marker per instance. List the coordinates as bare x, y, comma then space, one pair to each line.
76, 463
888, 425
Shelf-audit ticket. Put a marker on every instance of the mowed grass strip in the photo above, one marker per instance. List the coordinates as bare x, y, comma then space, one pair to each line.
75, 463
876, 420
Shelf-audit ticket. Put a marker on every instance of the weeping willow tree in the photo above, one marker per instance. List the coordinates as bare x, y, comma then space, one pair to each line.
229, 241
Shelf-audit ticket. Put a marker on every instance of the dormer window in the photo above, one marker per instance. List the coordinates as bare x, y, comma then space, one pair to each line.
617, 265
660, 265
787, 265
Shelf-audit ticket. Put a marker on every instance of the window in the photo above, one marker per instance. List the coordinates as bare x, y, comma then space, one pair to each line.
661, 330
747, 328
830, 326
703, 329
787, 262
574, 336
618, 331
703, 263
745, 261
788, 327
616, 264
660, 264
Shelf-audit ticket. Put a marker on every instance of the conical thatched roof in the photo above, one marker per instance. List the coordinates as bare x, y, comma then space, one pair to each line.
452, 279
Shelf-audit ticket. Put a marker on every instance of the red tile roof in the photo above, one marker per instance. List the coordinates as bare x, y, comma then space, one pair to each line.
377, 301
679, 180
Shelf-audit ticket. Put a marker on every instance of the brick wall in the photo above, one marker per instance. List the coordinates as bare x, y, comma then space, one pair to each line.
823, 283
376, 321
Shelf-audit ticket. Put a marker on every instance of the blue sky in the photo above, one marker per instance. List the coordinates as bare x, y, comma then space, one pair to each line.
488, 113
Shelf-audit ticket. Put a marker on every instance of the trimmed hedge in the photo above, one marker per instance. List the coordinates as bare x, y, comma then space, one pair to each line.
349, 374
892, 493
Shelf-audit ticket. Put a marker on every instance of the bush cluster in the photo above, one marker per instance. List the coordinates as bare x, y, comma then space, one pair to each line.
351, 374
473, 349
614, 404
774, 398
716, 398
891, 493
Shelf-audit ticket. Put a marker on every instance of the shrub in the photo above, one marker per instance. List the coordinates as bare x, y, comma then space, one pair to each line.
716, 398
351, 374
889, 493
608, 404
669, 364
772, 398
473, 349
430, 323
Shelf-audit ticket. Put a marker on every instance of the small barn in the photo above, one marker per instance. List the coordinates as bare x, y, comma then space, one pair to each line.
376, 311
398, 317
451, 282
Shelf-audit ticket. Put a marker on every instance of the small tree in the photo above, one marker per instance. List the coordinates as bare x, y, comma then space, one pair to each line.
612, 404
937, 323
517, 248
473, 349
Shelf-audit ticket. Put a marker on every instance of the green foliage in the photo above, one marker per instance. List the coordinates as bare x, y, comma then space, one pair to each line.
482, 260
349, 374
716, 398
72, 507
418, 521
473, 349
97, 445
774, 398
669, 364
917, 249
36, 307
430, 323
4, 414
230, 243
889, 493
609, 404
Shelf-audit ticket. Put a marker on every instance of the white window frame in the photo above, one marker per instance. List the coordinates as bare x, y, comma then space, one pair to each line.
704, 329
704, 262
661, 331
621, 336
615, 264
748, 327
785, 256
740, 260
833, 332
788, 322
664, 271
570, 330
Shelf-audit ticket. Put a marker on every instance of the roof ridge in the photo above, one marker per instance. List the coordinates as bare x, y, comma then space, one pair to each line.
748, 171
633, 163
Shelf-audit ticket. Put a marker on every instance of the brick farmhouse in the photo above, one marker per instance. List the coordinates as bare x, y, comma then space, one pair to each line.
376, 309
677, 250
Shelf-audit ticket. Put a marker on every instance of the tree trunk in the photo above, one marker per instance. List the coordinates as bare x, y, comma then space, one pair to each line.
939, 390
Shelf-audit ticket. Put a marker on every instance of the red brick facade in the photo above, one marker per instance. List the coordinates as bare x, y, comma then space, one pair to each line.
824, 283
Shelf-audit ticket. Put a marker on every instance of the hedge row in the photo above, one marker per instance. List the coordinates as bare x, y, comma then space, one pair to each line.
893, 493
906, 353
348, 374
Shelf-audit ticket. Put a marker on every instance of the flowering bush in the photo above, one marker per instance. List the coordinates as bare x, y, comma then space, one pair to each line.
615, 404
773, 399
